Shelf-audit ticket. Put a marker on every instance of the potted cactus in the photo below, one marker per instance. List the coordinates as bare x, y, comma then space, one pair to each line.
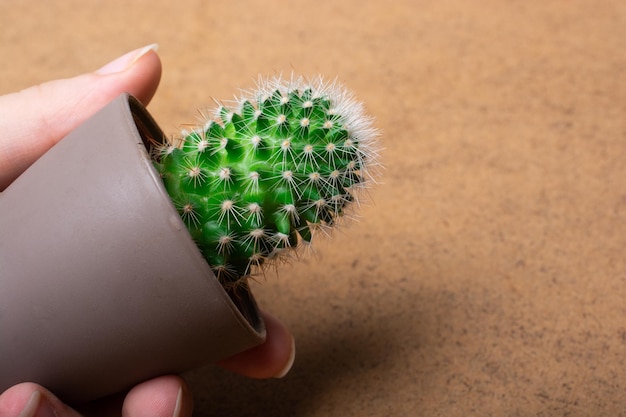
131, 251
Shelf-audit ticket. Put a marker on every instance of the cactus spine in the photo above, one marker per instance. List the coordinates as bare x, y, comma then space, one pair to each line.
258, 179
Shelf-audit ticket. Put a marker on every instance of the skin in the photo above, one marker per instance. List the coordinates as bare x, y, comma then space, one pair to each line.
31, 122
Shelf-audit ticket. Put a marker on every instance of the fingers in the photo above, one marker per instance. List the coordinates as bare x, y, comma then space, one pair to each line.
166, 396
272, 359
32, 400
34, 119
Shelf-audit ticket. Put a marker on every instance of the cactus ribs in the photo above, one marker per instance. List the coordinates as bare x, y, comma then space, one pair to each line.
258, 180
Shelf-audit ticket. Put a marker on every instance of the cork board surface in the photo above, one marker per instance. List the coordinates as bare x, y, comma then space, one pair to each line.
487, 277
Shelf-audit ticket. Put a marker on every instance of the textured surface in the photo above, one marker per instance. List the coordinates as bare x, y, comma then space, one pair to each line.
489, 275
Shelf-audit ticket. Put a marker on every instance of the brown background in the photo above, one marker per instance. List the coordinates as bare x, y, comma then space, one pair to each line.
487, 277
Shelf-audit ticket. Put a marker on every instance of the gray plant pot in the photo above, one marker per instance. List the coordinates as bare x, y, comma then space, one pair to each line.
101, 285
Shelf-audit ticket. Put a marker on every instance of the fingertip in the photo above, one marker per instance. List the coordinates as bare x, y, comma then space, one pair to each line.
142, 78
15, 399
28, 399
272, 359
165, 396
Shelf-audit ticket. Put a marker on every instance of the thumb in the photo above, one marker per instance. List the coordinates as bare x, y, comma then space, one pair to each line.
34, 119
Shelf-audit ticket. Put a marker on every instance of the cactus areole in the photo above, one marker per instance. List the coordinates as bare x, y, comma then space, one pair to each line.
258, 179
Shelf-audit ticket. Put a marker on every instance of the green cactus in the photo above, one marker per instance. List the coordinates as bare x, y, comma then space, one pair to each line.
289, 158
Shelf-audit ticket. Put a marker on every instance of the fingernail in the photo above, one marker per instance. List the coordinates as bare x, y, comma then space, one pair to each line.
126, 61
179, 403
181, 406
38, 406
289, 364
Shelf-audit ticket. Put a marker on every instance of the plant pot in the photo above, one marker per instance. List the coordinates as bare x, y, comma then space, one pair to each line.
101, 285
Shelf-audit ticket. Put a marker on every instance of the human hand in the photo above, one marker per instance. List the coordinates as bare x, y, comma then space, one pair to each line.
31, 122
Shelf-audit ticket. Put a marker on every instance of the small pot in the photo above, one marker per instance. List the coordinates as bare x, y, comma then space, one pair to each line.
101, 285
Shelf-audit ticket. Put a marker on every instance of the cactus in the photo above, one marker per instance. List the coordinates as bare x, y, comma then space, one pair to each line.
259, 178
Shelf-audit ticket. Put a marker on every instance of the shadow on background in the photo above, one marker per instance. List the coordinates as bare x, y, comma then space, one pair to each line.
356, 351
